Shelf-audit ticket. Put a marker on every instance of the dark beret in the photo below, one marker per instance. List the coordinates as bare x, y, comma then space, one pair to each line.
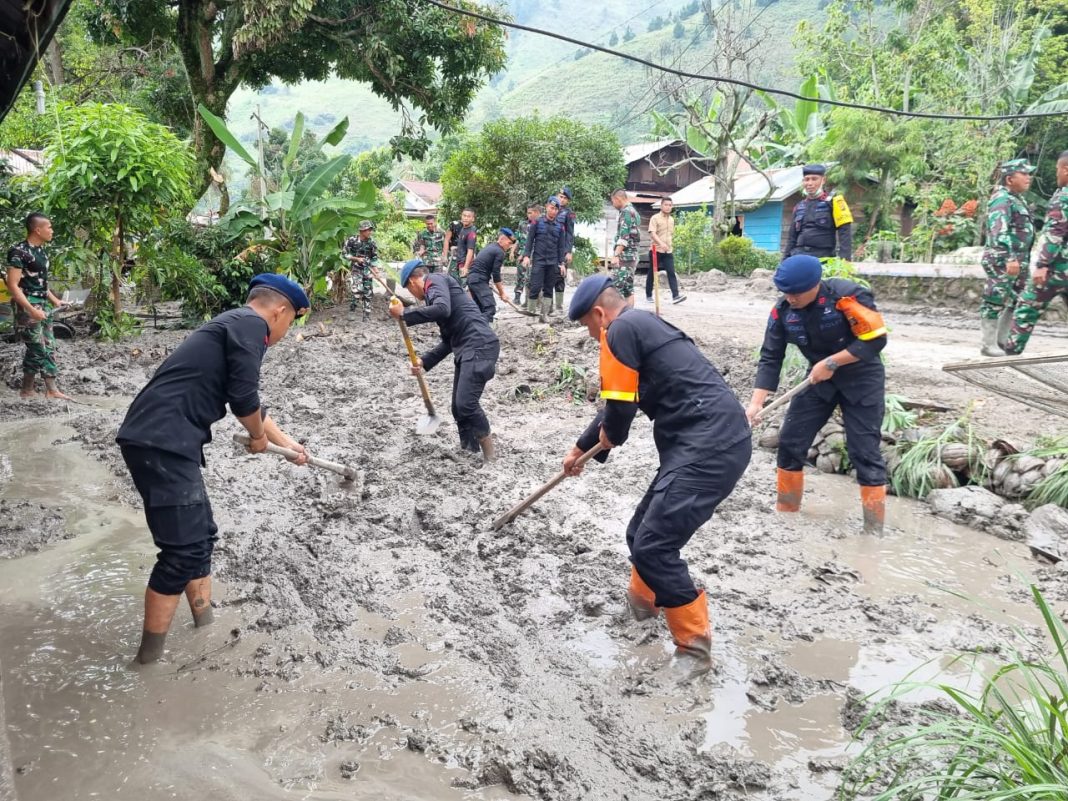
284, 286
798, 274
813, 169
587, 293
508, 232
408, 269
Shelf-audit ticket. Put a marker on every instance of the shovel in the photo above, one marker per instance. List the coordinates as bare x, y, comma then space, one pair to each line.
430, 422
350, 473
518, 509
783, 400
525, 312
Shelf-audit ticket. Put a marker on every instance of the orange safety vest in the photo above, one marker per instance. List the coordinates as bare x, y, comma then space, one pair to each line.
864, 322
618, 382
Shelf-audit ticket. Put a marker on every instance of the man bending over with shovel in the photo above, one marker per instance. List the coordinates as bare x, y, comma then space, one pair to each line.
466, 335
704, 444
167, 426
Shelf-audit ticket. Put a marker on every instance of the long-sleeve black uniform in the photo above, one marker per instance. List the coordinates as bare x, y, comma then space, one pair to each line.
485, 268
547, 249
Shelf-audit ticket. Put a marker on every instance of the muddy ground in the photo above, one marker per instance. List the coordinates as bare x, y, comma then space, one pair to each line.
382, 640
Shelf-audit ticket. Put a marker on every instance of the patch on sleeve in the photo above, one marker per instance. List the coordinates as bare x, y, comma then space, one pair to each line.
842, 214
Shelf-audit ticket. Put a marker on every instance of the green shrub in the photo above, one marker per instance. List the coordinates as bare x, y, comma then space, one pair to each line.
736, 255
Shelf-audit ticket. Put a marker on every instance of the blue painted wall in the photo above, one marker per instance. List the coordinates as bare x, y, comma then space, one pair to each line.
764, 226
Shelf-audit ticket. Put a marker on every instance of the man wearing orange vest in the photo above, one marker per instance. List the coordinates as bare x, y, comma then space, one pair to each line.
703, 440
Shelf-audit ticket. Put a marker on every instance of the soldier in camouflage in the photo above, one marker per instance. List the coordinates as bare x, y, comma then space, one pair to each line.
625, 258
27, 281
429, 245
1049, 278
516, 251
362, 253
1010, 231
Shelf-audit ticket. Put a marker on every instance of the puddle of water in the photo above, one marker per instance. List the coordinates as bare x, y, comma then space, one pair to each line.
83, 724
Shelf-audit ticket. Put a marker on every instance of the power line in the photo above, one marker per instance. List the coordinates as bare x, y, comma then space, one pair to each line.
746, 84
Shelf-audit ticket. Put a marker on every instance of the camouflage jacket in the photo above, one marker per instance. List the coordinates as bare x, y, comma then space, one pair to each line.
1053, 241
629, 234
428, 246
33, 261
365, 248
1010, 230
522, 231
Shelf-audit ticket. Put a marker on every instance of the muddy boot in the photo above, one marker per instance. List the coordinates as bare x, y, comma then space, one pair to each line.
518, 298
641, 599
558, 301
29, 386
988, 329
198, 593
159, 611
532, 305
692, 634
1004, 329
791, 486
873, 500
546, 308
489, 452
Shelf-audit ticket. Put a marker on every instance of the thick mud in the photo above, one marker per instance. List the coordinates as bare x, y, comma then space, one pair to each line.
382, 641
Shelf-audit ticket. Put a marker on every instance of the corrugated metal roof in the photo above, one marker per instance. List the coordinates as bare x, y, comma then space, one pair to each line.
633, 153
21, 161
749, 187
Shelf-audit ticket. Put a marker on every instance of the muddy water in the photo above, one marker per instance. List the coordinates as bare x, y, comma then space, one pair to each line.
84, 723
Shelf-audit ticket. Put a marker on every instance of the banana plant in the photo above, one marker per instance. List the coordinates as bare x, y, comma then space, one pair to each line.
796, 127
300, 223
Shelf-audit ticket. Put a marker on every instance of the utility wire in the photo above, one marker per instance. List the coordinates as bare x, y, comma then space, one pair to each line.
746, 84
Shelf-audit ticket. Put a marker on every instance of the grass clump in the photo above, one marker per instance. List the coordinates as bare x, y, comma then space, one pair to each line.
938, 462
896, 417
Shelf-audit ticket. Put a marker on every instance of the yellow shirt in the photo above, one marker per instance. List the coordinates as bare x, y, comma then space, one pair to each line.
662, 226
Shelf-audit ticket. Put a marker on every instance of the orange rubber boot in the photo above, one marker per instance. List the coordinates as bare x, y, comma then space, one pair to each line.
690, 629
873, 499
641, 599
791, 485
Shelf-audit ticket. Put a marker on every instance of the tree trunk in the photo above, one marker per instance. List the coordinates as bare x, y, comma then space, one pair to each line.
118, 261
53, 63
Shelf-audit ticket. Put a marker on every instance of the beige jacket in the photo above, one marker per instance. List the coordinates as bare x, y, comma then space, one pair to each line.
663, 228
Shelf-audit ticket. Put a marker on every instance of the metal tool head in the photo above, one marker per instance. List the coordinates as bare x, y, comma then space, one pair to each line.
427, 425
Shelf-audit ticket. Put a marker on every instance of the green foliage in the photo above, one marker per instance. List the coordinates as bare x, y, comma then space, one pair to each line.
794, 366
1006, 740
917, 462
679, 31
584, 258
571, 382
736, 255
112, 327
834, 267
656, 23
1054, 487
278, 144
514, 162
697, 251
375, 166
613, 40
114, 176
897, 418
629, 35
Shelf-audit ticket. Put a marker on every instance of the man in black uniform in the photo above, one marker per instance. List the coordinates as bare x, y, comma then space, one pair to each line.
836, 326
167, 426
466, 246
701, 435
464, 334
545, 253
820, 219
567, 219
487, 267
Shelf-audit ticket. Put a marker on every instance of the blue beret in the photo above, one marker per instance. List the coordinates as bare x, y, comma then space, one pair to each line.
508, 232
813, 169
552, 201
566, 192
587, 293
284, 286
408, 269
798, 274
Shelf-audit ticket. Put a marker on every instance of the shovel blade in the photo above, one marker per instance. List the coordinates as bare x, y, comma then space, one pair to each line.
427, 425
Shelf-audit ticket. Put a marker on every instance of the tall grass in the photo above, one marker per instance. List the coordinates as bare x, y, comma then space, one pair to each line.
1007, 741
919, 464
1054, 487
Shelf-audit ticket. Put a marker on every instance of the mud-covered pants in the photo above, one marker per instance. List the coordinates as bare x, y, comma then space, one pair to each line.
39, 339
1032, 304
1002, 289
673, 508
178, 515
474, 370
362, 287
809, 412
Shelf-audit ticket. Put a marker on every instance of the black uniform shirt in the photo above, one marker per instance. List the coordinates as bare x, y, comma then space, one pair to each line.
695, 415
468, 242
487, 265
546, 242
216, 365
820, 330
463, 329
566, 217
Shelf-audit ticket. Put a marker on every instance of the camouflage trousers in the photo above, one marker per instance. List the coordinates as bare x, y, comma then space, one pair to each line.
521, 278
1002, 289
1029, 308
362, 287
623, 280
454, 271
40, 342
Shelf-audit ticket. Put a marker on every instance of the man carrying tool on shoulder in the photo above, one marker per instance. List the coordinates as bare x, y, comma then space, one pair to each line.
485, 268
836, 326
701, 435
466, 335
362, 253
169, 423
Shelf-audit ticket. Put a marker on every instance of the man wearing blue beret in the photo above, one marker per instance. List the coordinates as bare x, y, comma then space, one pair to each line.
167, 426
545, 254
487, 267
467, 336
567, 219
822, 224
835, 325
702, 438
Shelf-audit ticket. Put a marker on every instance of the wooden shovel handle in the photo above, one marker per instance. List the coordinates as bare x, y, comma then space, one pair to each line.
519, 508
314, 461
414, 358
789, 396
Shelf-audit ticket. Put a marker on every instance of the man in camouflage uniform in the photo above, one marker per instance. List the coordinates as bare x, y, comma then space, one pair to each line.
27, 282
1049, 277
516, 251
625, 258
429, 245
362, 253
1010, 232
